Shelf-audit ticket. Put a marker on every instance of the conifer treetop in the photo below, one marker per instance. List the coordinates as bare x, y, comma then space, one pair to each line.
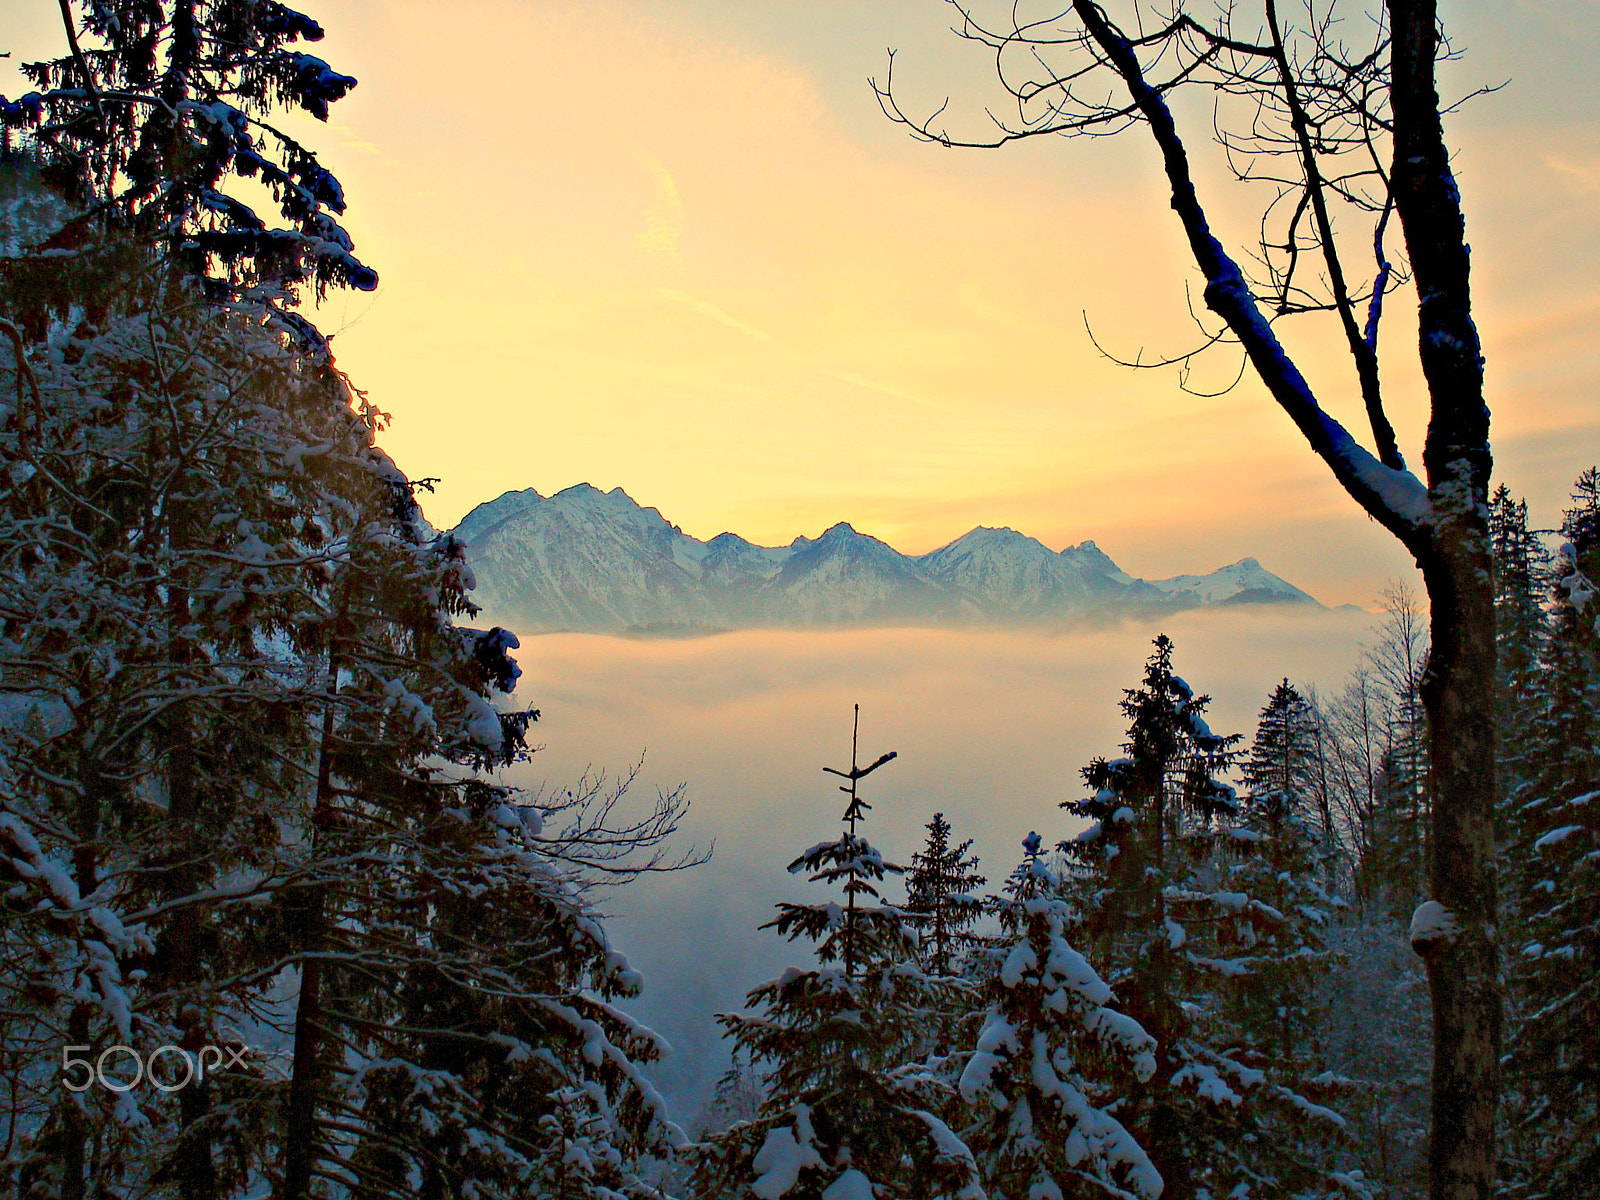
159, 106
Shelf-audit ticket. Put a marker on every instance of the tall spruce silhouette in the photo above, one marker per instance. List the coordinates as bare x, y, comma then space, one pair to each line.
939, 891
846, 1113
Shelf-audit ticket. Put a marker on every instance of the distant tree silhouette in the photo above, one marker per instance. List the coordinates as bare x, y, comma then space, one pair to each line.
939, 895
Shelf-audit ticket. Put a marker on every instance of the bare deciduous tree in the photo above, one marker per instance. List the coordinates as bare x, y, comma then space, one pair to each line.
1336, 111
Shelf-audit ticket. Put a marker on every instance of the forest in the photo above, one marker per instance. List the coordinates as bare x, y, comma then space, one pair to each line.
272, 923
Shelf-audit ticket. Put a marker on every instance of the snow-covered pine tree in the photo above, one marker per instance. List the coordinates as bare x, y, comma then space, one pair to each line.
940, 896
1555, 1031
848, 1115
242, 732
159, 106
1053, 1059
1167, 929
173, 468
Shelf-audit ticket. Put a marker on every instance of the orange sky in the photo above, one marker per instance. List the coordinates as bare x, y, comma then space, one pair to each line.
674, 246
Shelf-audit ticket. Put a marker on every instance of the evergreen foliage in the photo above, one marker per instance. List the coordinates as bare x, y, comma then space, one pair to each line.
160, 105
1203, 965
841, 1119
247, 794
1281, 771
1054, 1058
940, 896
1555, 1049
245, 737
1522, 582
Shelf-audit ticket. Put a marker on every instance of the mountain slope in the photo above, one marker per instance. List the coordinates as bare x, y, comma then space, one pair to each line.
1014, 577
592, 561
1243, 582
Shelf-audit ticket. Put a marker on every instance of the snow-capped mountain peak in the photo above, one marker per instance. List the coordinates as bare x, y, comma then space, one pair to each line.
1243, 582
596, 561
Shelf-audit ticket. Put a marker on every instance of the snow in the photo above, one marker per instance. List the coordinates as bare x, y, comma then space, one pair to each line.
590, 561
1243, 579
1128, 1035
1431, 923
1207, 1083
945, 1140
1556, 836
483, 722
852, 1185
1019, 962
1075, 973
997, 1037
783, 1156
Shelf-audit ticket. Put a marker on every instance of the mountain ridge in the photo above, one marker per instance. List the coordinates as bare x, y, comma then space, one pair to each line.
584, 560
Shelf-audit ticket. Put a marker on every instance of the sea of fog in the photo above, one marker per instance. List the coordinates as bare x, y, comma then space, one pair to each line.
991, 728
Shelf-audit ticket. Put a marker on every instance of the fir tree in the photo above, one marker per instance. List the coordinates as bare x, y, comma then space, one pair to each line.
1555, 1049
1522, 581
246, 736
842, 1117
939, 894
1053, 1058
159, 106
1280, 772
1187, 952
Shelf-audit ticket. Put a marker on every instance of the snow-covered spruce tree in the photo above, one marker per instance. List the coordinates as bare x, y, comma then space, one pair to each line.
942, 908
228, 750
1276, 855
175, 472
159, 106
848, 1113
1166, 926
1286, 776
242, 731
1053, 1058
940, 896
1281, 771
452, 1015
1555, 822
1523, 578
140, 126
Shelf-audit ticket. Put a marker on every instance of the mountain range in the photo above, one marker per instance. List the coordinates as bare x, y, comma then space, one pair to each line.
589, 561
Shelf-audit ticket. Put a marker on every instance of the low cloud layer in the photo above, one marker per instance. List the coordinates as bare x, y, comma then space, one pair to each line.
991, 728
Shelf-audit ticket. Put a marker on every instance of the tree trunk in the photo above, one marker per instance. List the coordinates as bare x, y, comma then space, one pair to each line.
180, 950
1463, 970
1458, 687
300, 1142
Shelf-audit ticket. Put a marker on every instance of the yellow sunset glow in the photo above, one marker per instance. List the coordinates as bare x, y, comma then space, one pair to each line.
675, 247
